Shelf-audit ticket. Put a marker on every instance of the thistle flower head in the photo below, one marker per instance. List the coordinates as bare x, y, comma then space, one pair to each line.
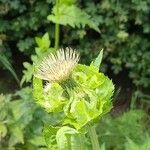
57, 67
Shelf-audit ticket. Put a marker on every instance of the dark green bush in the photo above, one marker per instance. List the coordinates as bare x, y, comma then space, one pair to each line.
21, 21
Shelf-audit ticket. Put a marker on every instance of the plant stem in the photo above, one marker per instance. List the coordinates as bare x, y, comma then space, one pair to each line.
94, 138
57, 27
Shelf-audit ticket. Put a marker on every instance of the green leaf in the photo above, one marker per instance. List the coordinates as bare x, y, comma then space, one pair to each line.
25, 44
103, 147
80, 114
70, 139
40, 52
98, 60
38, 141
88, 76
132, 146
8, 66
37, 89
50, 136
73, 16
44, 42
54, 98
17, 136
22, 112
3, 130
51, 98
122, 35
28, 73
91, 100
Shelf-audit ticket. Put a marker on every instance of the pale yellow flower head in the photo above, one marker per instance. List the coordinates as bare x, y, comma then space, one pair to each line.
57, 67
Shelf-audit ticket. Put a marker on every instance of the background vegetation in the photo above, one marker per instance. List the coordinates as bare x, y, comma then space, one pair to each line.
121, 28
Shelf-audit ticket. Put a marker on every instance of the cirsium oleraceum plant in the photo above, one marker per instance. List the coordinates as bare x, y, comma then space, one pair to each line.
79, 93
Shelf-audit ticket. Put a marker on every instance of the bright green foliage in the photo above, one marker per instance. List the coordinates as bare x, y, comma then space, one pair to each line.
66, 14
20, 114
84, 103
125, 38
44, 42
70, 139
64, 138
40, 51
50, 137
87, 101
38, 89
91, 98
52, 100
98, 60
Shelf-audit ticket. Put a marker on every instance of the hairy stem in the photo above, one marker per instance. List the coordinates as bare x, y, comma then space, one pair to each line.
94, 138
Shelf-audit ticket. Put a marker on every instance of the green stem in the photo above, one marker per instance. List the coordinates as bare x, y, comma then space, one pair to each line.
57, 27
69, 143
94, 138
57, 30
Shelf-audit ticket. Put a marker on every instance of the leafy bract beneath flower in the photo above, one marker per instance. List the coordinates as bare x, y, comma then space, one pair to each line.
57, 67
52, 99
85, 102
91, 99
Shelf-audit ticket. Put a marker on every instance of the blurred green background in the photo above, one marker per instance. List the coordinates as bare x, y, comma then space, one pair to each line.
124, 35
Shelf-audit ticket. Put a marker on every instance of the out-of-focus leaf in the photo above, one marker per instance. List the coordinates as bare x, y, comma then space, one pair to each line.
102, 147
3, 130
71, 15
8, 66
130, 145
130, 125
67, 2
42, 50
38, 141
17, 136
44, 42
22, 112
28, 73
25, 44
